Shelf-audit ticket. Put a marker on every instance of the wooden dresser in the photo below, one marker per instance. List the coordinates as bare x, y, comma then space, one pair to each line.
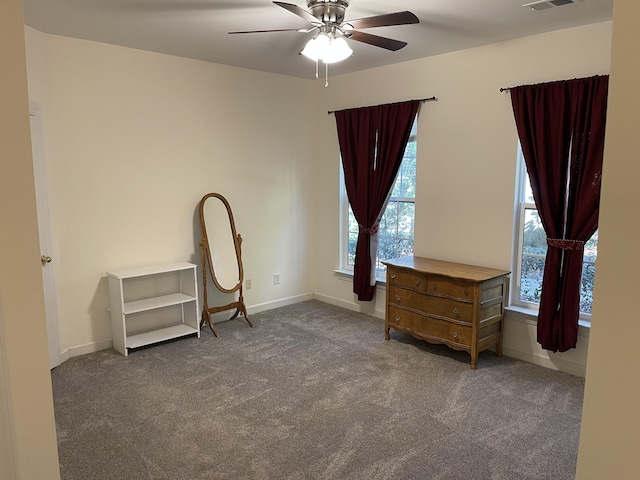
459, 305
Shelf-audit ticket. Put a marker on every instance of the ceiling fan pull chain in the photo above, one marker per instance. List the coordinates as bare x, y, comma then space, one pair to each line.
316, 69
326, 75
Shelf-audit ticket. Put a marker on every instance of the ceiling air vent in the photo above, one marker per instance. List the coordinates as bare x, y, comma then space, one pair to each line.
544, 4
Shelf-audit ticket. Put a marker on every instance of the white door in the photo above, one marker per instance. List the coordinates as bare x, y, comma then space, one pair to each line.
46, 244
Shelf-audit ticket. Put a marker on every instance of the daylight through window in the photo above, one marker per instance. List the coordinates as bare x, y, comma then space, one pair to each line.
395, 233
531, 250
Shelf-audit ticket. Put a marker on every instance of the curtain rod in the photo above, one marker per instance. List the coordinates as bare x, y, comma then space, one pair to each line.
506, 89
430, 99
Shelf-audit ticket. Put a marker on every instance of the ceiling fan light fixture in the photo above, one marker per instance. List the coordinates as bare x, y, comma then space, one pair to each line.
328, 49
338, 50
313, 48
327, 20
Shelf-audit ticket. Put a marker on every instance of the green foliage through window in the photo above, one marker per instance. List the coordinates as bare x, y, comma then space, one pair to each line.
533, 251
395, 232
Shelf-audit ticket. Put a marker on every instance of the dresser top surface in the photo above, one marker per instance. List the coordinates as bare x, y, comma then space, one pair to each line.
447, 269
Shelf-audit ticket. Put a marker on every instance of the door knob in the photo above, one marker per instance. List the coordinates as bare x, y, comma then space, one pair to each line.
44, 259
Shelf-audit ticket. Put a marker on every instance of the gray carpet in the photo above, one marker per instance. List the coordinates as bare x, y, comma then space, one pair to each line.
312, 392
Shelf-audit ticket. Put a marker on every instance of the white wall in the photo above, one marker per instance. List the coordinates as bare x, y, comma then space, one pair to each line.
135, 139
28, 448
610, 432
467, 145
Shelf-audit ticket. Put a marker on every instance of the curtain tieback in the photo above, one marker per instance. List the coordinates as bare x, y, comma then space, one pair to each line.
370, 231
564, 244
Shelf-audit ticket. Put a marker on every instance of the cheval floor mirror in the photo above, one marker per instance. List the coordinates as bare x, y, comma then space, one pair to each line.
221, 256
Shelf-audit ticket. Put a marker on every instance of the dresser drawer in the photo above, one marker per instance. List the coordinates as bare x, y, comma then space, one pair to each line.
407, 278
450, 287
445, 307
430, 328
431, 304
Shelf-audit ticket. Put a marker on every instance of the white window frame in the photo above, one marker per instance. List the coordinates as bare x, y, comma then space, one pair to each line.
516, 300
521, 205
344, 216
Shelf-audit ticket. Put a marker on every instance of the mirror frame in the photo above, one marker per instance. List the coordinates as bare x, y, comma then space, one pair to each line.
238, 304
237, 240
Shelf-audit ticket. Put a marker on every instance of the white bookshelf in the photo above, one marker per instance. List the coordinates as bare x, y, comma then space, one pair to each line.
153, 304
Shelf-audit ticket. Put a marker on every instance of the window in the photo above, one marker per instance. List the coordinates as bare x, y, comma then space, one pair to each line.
395, 233
531, 250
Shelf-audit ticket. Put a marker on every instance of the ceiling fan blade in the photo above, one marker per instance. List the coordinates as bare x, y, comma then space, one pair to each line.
267, 31
388, 20
382, 42
295, 9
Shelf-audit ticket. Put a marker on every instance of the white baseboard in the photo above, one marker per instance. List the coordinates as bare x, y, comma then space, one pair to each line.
556, 364
64, 355
353, 306
261, 307
527, 356
221, 317
282, 302
84, 349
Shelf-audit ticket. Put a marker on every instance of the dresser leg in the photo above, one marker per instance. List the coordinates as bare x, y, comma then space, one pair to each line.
386, 333
474, 360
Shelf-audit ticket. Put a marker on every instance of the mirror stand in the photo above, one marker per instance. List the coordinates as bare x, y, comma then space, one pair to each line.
221, 256
208, 311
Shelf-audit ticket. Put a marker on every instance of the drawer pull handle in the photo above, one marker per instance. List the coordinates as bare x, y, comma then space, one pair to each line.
455, 334
417, 283
393, 276
397, 319
434, 286
456, 312
464, 291
397, 298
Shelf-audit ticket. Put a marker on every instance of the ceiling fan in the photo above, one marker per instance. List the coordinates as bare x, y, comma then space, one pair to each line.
327, 21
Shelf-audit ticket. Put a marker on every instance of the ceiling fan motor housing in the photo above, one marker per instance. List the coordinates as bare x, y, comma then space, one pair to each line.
328, 11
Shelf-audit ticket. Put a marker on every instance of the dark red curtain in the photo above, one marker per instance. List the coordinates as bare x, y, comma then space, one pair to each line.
372, 143
561, 127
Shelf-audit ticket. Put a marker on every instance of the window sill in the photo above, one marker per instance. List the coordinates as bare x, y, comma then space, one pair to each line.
530, 316
512, 312
348, 274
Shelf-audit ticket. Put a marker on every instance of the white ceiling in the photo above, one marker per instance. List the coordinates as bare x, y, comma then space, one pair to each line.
198, 28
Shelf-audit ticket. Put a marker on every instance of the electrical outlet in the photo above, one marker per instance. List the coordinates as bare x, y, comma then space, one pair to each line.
248, 283
276, 279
